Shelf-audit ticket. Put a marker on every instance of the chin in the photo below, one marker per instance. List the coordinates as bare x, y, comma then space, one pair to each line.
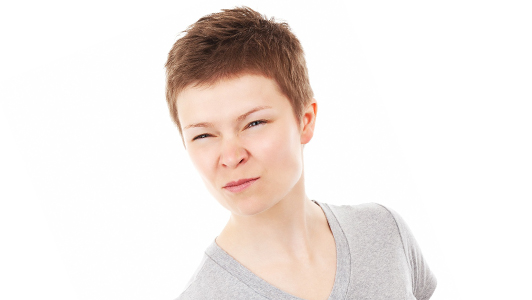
248, 207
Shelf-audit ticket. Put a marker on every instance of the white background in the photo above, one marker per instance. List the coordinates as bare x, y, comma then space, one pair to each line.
424, 106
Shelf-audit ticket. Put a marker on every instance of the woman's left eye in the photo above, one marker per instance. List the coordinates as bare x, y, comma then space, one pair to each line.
255, 123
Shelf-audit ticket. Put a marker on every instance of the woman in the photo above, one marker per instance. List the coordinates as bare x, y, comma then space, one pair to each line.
238, 91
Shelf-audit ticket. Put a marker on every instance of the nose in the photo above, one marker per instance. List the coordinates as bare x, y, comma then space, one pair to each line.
233, 154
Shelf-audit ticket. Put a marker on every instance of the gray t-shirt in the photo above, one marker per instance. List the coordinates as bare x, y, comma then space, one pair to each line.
377, 257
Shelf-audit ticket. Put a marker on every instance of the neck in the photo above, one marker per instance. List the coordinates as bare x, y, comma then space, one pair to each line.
287, 230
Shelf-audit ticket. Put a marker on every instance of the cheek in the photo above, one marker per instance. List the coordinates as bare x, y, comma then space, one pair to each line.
202, 161
281, 148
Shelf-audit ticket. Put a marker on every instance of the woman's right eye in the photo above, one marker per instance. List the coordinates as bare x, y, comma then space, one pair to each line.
201, 136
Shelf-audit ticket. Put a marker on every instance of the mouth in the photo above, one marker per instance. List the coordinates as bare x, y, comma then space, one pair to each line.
240, 185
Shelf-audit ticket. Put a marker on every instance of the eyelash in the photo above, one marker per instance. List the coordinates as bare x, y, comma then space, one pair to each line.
201, 136
258, 122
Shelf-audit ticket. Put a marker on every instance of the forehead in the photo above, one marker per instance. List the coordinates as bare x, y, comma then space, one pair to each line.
229, 98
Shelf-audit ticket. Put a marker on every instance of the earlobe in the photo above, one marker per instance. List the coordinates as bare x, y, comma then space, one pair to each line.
308, 122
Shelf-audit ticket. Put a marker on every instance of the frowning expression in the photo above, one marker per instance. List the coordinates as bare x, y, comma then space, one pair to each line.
245, 141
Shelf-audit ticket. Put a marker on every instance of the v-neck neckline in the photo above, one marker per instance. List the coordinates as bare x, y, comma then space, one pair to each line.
265, 289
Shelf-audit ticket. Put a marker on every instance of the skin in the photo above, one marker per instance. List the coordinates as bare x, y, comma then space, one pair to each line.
245, 128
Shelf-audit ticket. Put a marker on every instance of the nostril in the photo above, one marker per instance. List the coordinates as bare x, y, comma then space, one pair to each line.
233, 154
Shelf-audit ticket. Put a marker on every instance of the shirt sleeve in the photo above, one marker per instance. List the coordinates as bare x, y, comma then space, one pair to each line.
423, 280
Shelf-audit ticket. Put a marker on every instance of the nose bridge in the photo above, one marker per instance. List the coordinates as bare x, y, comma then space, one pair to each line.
232, 153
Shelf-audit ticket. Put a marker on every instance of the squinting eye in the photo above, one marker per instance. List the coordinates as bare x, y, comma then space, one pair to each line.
255, 123
201, 136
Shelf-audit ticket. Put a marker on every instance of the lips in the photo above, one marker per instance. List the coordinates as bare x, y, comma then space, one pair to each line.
239, 185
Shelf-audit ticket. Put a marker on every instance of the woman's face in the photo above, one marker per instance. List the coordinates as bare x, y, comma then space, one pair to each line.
244, 139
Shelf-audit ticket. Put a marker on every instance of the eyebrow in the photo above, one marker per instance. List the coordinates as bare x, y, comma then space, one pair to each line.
244, 116
239, 119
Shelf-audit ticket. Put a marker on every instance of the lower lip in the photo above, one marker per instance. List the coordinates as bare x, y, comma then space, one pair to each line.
240, 187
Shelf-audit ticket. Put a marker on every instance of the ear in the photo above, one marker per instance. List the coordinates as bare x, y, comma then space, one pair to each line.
308, 122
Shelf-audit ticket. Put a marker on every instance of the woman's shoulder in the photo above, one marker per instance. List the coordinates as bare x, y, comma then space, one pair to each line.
374, 229
366, 213
371, 221
370, 207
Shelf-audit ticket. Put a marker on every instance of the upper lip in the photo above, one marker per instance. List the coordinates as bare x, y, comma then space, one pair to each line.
239, 182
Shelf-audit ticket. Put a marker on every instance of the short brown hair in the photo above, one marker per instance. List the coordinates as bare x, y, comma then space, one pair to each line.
233, 42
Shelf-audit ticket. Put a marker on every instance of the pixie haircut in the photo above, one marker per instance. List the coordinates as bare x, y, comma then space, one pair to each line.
234, 42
